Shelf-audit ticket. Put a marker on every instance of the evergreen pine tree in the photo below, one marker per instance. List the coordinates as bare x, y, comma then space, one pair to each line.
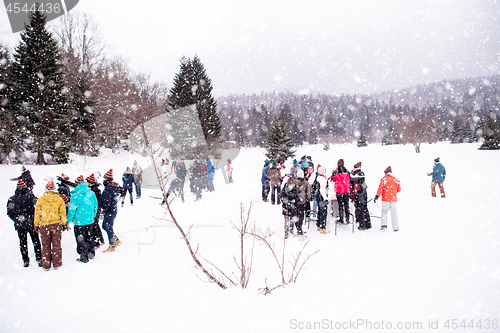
286, 116
490, 133
83, 120
193, 86
205, 103
264, 123
181, 94
296, 137
239, 133
279, 144
7, 139
468, 134
388, 137
40, 102
313, 136
362, 140
457, 132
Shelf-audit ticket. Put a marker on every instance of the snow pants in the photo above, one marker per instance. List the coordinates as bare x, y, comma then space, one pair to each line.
23, 244
393, 208
124, 193
301, 211
362, 214
107, 225
265, 191
275, 194
210, 182
51, 245
322, 213
343, 201
85, 241
137, 191
98, 238
441, 189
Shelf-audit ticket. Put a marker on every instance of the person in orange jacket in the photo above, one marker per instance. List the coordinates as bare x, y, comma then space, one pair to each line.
388, 189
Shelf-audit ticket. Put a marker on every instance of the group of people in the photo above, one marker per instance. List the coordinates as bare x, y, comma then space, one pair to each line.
79, 205
200, 174
303, 185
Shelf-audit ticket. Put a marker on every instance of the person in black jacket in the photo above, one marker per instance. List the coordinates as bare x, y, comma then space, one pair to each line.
21, 210
26, 178
358, 187
64, 184
97, 233
108, 203
197, 178
290, 199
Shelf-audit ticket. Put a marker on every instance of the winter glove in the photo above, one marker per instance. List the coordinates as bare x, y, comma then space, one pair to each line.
37, 228
375, 199
64, 227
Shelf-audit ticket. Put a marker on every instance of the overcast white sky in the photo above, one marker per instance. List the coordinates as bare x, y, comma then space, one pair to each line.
331, 46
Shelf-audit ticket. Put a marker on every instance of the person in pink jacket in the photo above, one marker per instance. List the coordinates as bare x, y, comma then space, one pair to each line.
342, 180
389, 188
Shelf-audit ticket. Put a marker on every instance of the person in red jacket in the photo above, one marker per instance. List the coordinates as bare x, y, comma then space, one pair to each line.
342, 179
388, 189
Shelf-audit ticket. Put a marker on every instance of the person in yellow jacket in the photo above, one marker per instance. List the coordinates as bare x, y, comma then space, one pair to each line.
50, 222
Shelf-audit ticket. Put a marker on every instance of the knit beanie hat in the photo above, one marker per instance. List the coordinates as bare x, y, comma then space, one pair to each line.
135, 162
20, 184
273, 162
65, 198
303, 157
90, 179
388, 170
340, 163
50, 186
357, 165
436, 160
79, 180
294, 161
109, 175
266, 162
64, 177
23, 168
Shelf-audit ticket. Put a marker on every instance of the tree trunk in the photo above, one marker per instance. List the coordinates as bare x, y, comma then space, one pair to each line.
40, 159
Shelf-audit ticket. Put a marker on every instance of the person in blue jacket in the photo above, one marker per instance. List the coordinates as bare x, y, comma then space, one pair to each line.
266, 186
82, 210
128, 184
438, 175
210, 176
108, 201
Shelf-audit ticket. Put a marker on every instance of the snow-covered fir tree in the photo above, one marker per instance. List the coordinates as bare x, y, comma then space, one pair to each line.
362, 140
205, 103
40, 97
7, 139
490, 133
279, 143
457, 135
193, 86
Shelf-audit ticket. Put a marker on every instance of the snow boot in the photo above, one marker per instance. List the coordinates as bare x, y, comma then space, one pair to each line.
109, 249
117, 243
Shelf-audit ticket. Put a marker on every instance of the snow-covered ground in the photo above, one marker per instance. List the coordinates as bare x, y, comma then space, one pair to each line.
440, 271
